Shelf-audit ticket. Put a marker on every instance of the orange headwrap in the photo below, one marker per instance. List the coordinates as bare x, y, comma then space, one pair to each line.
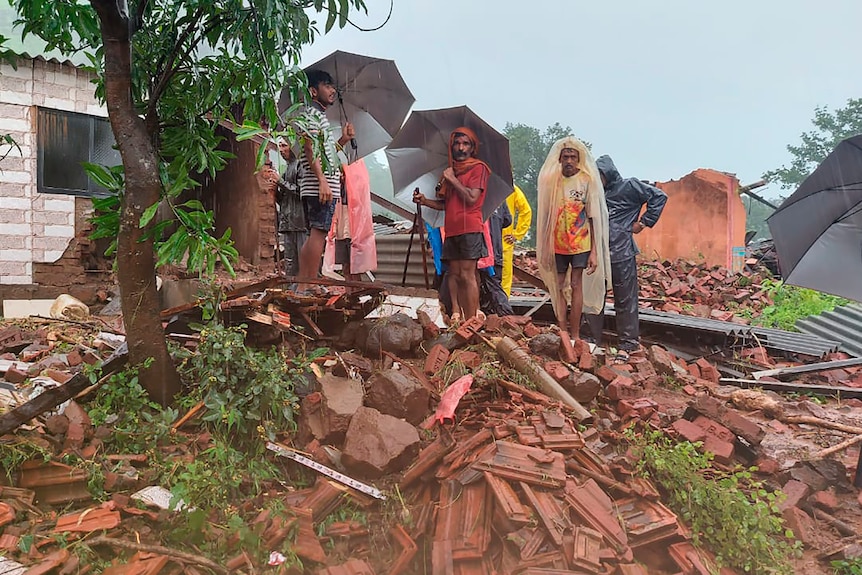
463, 166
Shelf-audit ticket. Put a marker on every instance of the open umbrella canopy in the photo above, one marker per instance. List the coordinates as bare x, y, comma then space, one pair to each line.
818, 230
372, 96
420, 152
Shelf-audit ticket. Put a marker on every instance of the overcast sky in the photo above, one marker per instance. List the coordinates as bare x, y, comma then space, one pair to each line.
664, 87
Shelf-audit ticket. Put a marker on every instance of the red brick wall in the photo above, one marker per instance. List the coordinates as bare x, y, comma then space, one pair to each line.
703, 220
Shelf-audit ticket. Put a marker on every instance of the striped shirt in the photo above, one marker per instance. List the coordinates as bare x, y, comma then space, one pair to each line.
314, 124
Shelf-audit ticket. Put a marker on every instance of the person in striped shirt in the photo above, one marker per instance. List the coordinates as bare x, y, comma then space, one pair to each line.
319, 177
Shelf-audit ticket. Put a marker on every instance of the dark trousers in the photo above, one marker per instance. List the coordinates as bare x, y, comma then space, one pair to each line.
492, 298
624, 277
291, 244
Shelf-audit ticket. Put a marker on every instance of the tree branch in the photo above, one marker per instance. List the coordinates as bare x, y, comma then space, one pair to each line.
169, 68
159, 550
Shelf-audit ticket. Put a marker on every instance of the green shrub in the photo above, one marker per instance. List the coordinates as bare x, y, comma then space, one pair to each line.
847, 567
732, 514
790, 303
248, 393
137, 423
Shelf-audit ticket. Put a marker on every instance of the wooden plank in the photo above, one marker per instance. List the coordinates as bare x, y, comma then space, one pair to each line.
53, 397
526, 276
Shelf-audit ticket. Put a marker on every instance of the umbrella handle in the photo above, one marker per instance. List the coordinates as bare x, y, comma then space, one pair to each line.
346, 119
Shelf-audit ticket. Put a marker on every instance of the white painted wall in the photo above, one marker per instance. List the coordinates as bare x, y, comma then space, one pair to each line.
35, 227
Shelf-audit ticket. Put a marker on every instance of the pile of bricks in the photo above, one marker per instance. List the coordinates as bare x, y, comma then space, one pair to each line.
694, 289
688, 288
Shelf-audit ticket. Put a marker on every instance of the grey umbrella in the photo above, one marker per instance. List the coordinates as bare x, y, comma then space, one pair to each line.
420, 152
818, 230
372, 96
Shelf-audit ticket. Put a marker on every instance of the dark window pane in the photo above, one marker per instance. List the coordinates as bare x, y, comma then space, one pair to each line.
64, 141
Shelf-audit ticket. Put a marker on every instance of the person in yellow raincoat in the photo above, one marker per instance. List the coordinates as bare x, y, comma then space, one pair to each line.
522, 217
572, 233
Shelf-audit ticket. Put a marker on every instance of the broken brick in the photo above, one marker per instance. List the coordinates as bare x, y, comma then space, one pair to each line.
714, 429
567, 351
721, 450
467, 330
825, 500
661, 360
467, 358
557, 370
436, 360
15, 375
730, 418
794, 492
606, 374
800, 523
531, 330
688, 430
707, 370
73, 358
623, 387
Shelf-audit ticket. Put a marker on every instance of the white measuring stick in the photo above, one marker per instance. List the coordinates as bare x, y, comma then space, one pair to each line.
340, 477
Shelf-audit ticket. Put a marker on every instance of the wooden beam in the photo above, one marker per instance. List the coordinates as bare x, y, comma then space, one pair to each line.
392, 207
51, 398
526, 276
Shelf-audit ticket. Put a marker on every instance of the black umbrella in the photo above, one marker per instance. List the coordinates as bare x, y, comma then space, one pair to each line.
818, 230
372, 96
420, 152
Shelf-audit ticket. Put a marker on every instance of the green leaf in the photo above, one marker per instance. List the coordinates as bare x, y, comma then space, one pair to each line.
102, 176
148, 215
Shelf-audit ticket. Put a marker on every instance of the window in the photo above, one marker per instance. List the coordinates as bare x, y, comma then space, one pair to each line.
64, 141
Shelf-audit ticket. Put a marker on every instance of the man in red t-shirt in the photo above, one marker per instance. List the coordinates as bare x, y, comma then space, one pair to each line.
462, 192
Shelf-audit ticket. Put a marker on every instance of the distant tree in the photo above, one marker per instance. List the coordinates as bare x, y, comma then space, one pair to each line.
756, 214
831, 128
528, 148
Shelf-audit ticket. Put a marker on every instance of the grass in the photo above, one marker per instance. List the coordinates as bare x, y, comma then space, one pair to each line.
791, 303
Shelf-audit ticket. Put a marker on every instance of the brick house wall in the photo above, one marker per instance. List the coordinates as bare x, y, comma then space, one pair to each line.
39, 230
703, 221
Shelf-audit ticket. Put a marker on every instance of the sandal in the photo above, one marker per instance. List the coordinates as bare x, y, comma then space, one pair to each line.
621, 357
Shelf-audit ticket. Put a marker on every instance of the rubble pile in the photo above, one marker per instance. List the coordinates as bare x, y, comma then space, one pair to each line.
495, 447
695, 289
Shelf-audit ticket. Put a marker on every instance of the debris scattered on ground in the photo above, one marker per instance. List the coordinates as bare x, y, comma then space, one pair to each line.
491, 448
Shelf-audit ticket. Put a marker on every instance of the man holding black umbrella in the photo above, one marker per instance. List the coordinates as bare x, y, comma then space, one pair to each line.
319, 182
462, 193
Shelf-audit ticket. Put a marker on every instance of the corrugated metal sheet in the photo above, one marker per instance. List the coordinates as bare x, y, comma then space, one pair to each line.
813, 344
391, 253
843, 324
697, 323
794, 342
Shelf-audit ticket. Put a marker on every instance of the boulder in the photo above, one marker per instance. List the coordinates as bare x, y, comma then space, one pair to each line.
325, 415
378, 444
399, 394
547, 344
398, 334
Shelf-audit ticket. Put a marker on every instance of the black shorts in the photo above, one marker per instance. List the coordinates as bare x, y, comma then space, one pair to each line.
465, 247
318, 216
577, 261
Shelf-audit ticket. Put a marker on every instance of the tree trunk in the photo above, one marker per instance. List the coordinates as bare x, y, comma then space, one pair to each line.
135, 258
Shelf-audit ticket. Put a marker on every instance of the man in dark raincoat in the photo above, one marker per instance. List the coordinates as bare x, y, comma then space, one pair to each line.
626, 198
